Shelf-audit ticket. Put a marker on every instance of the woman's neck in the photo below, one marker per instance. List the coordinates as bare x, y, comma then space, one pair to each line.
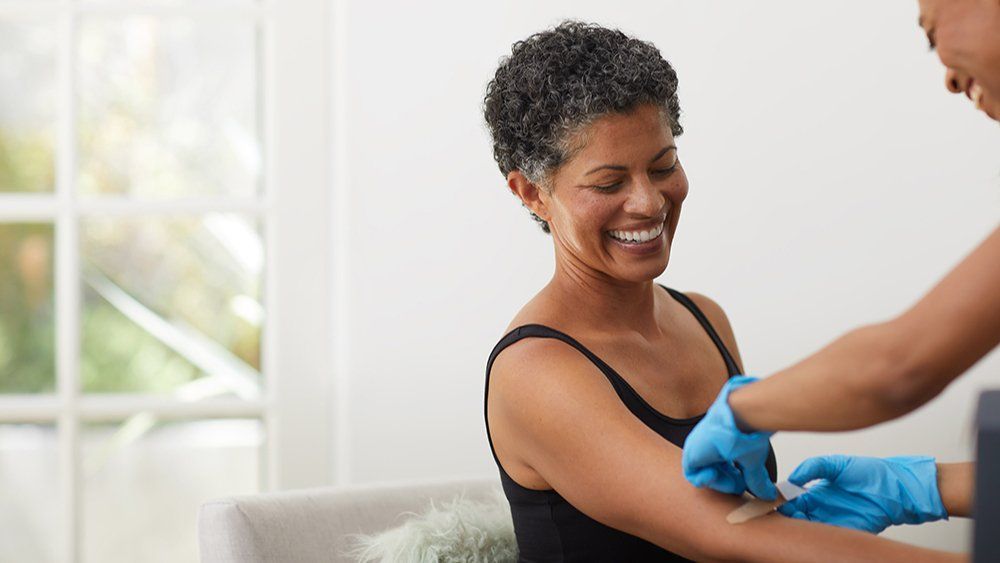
594, 300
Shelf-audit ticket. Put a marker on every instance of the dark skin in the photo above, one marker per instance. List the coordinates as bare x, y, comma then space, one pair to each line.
607, 463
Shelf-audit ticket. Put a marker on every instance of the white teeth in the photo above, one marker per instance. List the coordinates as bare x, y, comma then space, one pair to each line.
977, 95
638, 236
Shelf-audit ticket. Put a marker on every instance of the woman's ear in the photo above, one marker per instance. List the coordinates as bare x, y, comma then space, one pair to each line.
530, 194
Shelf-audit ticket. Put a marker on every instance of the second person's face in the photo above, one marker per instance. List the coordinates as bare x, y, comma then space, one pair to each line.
966, 36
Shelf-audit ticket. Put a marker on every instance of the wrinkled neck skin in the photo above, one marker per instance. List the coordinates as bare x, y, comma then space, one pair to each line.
601, 303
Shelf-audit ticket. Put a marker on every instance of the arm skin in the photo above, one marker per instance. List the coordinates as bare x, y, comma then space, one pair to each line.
956, 483
542, 403
880, 372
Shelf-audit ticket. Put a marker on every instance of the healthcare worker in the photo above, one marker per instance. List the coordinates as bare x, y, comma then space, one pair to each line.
877, 372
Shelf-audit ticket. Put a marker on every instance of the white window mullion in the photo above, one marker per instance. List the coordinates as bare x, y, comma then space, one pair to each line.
27, 208
29, 408
201, 11
33, 207
125, 207
67, 290
111, 407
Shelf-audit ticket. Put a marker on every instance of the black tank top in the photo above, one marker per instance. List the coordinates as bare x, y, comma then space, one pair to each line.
550, 529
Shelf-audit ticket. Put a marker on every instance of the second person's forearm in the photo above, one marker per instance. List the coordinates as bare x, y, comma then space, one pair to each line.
956, 483
845, 386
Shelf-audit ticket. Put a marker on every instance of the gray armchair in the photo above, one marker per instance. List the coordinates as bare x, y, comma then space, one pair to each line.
312, 525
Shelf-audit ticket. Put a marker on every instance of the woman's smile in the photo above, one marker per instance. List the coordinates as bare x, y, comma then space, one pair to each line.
639, 240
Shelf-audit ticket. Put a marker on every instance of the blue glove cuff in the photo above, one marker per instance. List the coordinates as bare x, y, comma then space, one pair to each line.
921, 497
730, 416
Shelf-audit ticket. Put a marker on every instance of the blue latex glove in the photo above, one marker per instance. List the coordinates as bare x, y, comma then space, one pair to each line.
867, 493
720, 456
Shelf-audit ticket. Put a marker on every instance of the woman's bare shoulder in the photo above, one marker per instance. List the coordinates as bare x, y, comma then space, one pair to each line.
540, 310
519, 367
718, 319
716, 315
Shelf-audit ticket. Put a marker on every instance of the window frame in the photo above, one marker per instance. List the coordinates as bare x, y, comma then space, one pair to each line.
293, 208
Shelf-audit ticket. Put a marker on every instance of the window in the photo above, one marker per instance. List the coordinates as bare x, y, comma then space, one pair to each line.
164, 334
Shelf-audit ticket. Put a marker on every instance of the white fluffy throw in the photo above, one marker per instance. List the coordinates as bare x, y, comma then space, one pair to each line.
460, 531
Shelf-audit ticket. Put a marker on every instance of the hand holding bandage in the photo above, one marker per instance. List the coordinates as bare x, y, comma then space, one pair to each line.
867, 493
720, 456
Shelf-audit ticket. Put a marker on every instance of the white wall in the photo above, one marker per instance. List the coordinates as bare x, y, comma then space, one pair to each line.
832, 181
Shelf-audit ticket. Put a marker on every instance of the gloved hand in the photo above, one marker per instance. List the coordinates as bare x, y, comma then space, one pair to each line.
867, 493
720, 456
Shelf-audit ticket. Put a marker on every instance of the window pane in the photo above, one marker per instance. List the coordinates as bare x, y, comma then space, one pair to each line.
28, 492
144, 481
168, 108
27, 106
172, 305
27, 321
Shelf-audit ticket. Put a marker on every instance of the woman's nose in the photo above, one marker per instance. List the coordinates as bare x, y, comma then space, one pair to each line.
645, 199
956, 82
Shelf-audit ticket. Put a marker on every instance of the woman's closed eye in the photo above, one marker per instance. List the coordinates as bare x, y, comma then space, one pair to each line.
608, 188
658, 173
663, 172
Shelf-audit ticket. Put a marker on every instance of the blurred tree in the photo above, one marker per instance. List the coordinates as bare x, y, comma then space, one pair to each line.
27, 320
27, 163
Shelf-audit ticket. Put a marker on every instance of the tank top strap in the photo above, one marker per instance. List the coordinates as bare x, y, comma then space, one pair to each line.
541, 331
731, 365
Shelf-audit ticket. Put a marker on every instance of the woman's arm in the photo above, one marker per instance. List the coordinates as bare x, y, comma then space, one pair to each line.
883, 371
565, 421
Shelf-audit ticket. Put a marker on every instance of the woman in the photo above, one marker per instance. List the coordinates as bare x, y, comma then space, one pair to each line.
584, 121
883, 371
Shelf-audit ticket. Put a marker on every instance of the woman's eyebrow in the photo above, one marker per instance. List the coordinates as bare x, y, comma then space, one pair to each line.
662, 152
619, 167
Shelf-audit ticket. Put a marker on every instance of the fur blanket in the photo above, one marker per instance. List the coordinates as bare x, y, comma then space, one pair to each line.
460, 531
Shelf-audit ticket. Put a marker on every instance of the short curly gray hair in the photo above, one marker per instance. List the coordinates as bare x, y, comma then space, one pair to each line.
557, 81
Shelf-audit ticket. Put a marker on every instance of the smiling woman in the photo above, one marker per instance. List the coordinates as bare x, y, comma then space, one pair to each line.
584, 121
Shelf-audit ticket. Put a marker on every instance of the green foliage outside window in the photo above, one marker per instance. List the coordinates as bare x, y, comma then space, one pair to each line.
175, 275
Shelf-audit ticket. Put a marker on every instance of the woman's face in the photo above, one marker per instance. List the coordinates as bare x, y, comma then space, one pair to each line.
966, 35
613, 207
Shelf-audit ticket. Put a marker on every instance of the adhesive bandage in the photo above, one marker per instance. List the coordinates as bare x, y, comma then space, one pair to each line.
755, 507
